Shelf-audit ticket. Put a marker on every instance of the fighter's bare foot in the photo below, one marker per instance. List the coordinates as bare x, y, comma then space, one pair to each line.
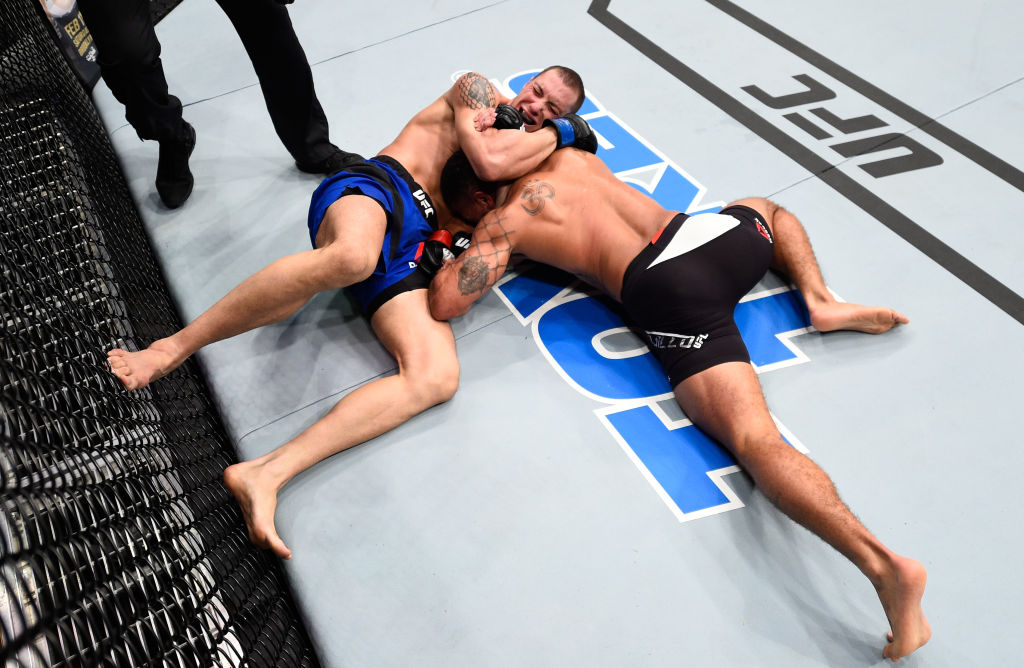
901, 593
257, 497
856, 317
137, 370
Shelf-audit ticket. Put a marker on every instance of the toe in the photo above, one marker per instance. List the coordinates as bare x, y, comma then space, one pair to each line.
279, 548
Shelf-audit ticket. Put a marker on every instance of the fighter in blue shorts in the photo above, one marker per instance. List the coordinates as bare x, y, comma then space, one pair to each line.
411, 219
367, 225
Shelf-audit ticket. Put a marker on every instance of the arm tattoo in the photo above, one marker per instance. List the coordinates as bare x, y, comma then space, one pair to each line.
534, 195
486, 260
476, 92
473, 276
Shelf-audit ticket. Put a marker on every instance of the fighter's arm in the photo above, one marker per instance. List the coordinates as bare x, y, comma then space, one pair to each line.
462, 281
496, 155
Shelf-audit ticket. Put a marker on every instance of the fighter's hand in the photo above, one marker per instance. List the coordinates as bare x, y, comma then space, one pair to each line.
502, 117
436, 252
507, 117
440, 248
484, 119
573, 131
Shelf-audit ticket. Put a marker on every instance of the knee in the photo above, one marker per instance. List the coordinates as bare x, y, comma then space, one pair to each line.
754, 445
140, 56
342, 266
444, 381
435, 382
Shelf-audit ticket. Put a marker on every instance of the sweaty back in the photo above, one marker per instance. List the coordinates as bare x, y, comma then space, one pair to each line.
575, 214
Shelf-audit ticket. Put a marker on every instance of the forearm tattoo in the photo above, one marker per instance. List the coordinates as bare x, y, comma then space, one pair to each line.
473, 276
476, 92
534, 195
485, 262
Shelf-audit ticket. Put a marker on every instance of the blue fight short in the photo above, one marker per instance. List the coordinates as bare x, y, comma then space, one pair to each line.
411, 218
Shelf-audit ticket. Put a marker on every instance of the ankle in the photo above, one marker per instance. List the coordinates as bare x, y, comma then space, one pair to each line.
172, 348
818, 298
268, 471
881, 568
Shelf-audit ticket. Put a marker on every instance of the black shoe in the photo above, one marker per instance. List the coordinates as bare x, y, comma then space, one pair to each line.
173, 179
333, 163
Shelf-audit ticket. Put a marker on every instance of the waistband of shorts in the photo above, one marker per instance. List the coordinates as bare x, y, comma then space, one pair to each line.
402, 173
651, 250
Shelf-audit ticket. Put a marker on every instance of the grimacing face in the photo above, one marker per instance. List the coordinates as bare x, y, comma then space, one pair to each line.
544, 96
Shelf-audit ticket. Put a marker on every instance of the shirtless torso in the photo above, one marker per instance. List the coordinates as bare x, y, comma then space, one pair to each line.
571, 212
581, 218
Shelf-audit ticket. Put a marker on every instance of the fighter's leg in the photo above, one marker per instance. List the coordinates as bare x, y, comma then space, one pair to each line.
348, 244
726, 402
794, 257
428, 374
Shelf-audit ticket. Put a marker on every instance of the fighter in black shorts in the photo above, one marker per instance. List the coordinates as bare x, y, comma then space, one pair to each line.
573, 213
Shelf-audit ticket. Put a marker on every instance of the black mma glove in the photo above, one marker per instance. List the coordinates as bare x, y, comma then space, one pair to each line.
436, 251
507, 117
573, 131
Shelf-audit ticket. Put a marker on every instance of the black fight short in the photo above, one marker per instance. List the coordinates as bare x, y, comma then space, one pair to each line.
681, 290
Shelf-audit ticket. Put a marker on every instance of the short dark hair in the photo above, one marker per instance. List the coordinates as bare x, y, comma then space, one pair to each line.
459, 181
571, 79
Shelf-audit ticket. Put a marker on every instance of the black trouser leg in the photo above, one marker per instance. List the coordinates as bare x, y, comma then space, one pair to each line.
268, 36
129, 57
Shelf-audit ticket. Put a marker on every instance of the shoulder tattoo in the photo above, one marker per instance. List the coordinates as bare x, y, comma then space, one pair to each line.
476, 92
535, 194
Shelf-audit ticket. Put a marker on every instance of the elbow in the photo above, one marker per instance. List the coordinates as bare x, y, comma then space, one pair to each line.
444, 298
438, 312
490, 173
488, 167
442, 309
